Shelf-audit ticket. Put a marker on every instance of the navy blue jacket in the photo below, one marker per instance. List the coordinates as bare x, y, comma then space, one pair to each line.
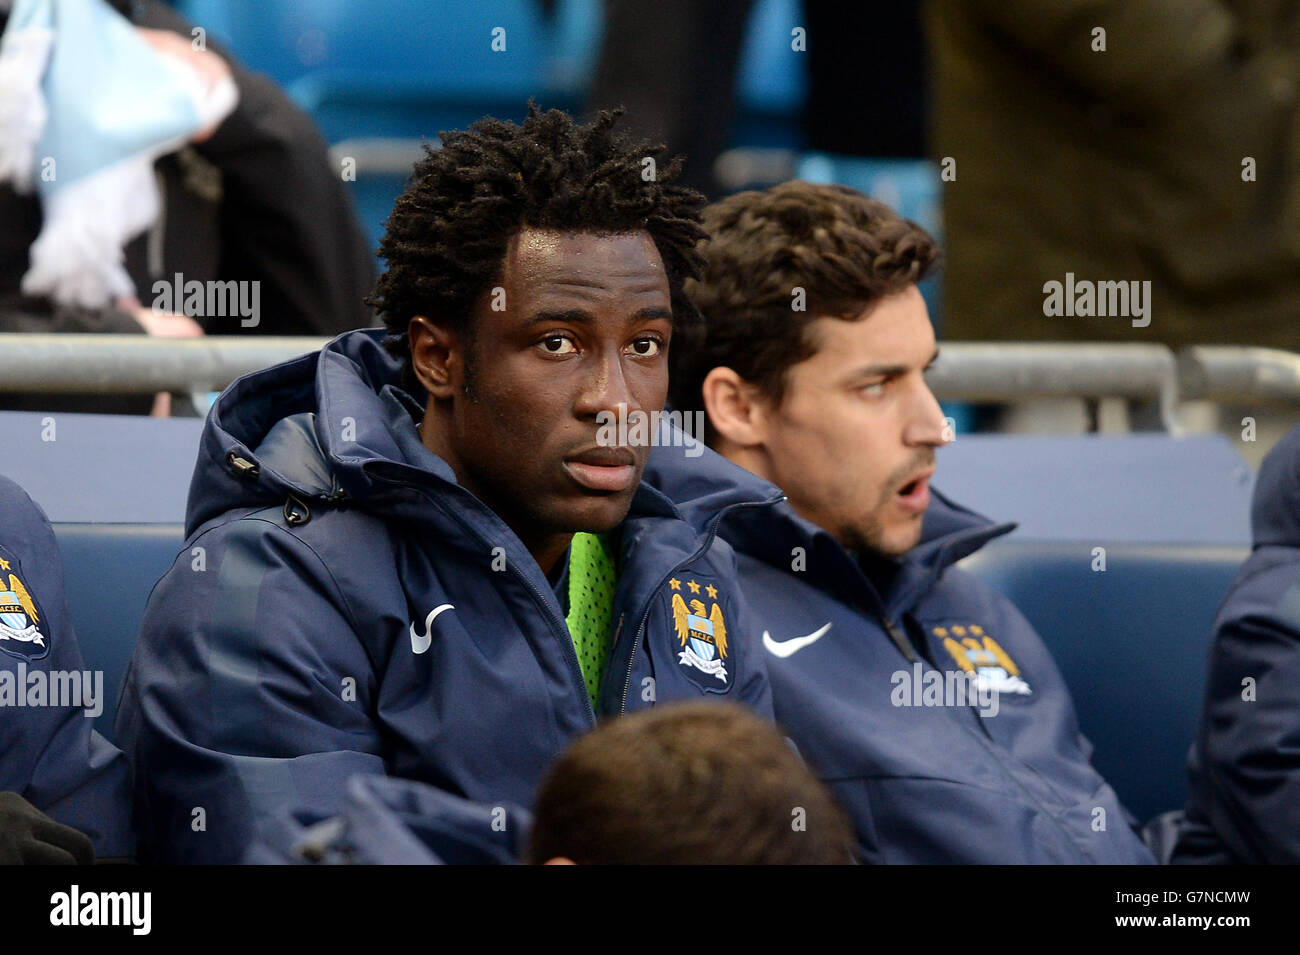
851, 643
341, 605
390, 821
1244, 801
51, 755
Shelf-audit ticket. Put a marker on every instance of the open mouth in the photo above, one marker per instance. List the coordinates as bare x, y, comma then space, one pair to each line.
915, 494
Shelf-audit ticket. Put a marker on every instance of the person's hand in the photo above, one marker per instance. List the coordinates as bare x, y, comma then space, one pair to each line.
168, 324
29, 837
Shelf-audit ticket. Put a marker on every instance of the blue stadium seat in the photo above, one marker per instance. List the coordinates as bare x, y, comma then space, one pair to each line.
447, 41
1131, 641
109, 570
412, 68
772, 78
114, 489
398, 67
1174, 517
1149, 488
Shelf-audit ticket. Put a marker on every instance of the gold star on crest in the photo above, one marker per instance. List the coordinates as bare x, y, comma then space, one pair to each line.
712, 591
675, 584
4, 564
695, 588
976, 629
941, 631
960, 631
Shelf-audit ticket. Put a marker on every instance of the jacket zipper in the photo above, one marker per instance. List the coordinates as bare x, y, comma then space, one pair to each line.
997, 758
708, 542
576, 668
899, 638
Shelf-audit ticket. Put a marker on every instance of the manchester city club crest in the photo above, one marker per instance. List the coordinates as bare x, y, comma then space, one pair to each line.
20, 620
701, 632
978, 654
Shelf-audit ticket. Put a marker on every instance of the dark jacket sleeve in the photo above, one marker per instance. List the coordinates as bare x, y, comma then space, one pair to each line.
51, 755
1246, 771
287, 218
37, 316
249, 694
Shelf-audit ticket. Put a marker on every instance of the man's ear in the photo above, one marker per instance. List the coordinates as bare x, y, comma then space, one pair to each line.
736, 409
436, 357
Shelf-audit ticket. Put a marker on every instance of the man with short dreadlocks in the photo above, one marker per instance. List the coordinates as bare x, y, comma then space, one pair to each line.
412, 554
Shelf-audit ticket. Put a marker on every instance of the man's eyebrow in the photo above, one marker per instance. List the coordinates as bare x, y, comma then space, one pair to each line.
654, 311
580, 316
574, 315
888, 371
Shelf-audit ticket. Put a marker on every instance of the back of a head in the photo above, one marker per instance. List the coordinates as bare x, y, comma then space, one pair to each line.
695, 783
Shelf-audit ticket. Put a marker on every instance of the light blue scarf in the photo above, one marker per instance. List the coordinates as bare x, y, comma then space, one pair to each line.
86, 107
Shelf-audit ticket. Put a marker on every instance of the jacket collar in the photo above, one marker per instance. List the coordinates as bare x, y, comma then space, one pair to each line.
949, 532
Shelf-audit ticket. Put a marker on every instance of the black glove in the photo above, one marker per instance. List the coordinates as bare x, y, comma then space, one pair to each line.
29, 837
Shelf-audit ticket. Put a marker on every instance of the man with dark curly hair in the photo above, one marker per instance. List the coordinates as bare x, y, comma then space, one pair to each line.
922, 697
412, 553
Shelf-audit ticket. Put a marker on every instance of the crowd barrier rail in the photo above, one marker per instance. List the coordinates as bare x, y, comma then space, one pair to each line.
986, 372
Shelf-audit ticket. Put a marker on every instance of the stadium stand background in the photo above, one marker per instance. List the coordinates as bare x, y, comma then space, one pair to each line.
381, 77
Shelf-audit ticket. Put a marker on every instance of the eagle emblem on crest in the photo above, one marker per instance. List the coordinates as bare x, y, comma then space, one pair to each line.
702, 634
20, 632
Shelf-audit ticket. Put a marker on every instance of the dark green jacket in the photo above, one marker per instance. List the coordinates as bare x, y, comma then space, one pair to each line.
1120, 165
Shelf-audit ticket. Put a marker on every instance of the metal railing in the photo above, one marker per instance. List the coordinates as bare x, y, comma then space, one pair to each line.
130, 364
968, 371
1010, 371
1225, 373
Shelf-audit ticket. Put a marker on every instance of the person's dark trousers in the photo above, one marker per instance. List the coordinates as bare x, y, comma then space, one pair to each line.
673, 65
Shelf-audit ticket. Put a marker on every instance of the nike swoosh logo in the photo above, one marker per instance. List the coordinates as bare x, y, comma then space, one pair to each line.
420, 642
787, 647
